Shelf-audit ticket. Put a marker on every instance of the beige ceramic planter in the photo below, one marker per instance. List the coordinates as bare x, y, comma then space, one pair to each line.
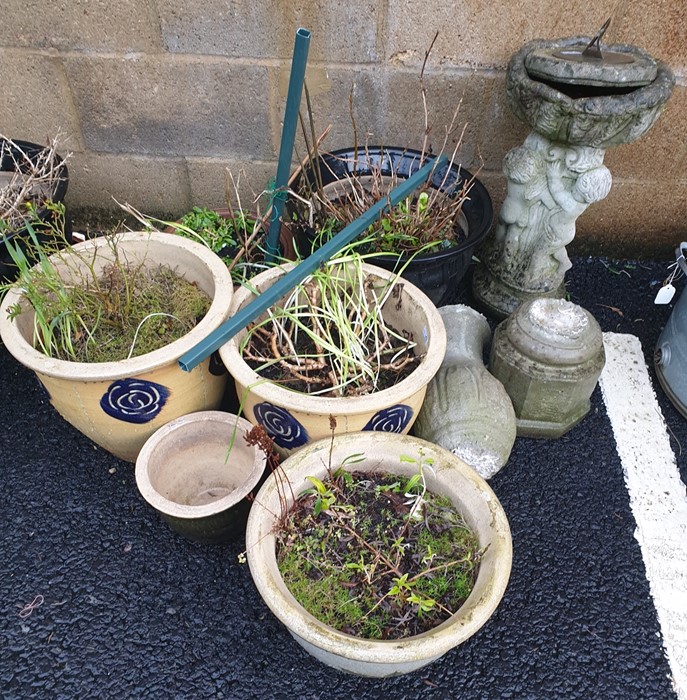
452, 478
186, 473
293, 419
119, 405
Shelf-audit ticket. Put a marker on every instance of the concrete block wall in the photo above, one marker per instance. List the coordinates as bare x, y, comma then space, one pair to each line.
157, 98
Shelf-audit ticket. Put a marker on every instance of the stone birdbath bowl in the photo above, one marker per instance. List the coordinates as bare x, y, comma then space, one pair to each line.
579, 99
597, 103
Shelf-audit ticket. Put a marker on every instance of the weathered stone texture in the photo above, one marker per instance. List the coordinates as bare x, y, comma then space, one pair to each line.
80, 25
162, 106
499, 129
207, 181
188, 85
329, 95
485, 34
36, 102
637, 218
404, 118
661, 154
152, 185
267, 29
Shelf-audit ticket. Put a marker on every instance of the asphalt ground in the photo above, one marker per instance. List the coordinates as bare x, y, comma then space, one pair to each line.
128, 609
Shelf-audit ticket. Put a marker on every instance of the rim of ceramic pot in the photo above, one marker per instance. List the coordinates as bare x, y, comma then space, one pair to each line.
227, 422
23, 350
421, 376
458, 477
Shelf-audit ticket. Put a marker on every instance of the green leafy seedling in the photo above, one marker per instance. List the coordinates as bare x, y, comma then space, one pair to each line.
324, 497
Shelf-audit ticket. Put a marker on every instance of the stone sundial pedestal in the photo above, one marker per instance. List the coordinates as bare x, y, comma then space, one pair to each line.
579, 100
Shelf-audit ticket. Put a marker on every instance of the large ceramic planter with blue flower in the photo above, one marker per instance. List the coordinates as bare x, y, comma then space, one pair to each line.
119, 405
294, 419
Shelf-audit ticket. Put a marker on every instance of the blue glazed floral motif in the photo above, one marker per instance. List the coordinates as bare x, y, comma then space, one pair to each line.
280, 425
134, 400
390, 420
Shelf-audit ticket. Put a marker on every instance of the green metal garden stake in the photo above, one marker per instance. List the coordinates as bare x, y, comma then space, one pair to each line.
288, 136
306, 267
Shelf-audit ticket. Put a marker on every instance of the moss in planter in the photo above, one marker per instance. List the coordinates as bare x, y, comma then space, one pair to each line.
127, 310
376, 555
147, 312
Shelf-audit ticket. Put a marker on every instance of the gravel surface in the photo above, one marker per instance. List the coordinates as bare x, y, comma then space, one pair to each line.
131, 610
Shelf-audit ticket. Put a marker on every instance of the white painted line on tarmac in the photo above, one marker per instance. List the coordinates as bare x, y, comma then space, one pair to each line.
658, 497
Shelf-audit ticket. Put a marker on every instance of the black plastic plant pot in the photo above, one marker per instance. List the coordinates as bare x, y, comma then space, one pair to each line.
12, 153
439, 273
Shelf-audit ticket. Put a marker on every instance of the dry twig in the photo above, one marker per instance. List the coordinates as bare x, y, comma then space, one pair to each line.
33, 179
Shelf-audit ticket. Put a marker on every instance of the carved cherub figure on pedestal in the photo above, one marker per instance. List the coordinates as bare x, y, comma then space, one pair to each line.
549, 186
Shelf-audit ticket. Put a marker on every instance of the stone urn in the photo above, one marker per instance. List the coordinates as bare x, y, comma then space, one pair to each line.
467, 410
549, 355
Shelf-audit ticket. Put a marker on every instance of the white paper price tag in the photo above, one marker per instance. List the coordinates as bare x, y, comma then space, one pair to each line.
665, 294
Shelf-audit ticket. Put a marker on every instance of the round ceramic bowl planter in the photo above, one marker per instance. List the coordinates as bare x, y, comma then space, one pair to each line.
119, 405
449, 477
293, 419
198, 483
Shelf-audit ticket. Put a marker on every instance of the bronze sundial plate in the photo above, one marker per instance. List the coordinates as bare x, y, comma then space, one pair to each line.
618, 66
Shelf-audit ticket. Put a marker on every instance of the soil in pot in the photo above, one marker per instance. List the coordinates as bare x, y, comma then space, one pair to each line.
376, 555
402, 455
128, 310
164, 307
328, 336
317, 376
429, 238
383, 300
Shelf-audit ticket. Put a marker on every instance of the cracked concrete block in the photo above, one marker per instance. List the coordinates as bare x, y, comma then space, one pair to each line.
485, 34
